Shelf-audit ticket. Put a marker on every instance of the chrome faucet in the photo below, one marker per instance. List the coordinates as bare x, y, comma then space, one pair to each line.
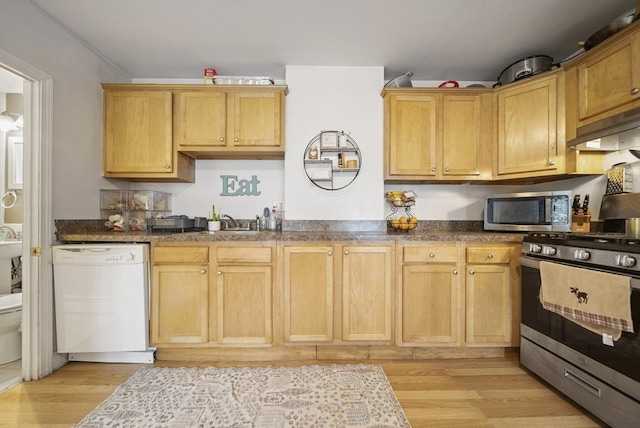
234, 223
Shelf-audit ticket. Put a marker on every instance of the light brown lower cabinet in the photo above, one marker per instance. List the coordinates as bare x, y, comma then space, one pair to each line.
244, 288
180, 295
308, 274
441, 306
213, 294
244, 304
492, 305
430, 295
337, 293
367, 284
348, 295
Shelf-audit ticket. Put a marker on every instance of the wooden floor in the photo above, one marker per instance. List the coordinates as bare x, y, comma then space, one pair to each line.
490, 392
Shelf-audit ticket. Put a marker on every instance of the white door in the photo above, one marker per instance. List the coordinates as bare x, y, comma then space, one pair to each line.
38, 357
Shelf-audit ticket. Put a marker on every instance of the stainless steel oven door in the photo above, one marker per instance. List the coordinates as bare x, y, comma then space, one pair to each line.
622, 358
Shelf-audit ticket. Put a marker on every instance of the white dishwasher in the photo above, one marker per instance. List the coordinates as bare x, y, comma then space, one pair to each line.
102, 302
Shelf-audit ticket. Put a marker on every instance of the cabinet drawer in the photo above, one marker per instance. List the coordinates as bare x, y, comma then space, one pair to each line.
430, 254
488, 255
244, 255
191, 255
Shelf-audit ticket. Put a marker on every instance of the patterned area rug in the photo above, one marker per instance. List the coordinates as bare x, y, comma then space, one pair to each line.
308, 396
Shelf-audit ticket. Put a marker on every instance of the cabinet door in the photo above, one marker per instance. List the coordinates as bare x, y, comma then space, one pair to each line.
255, 120
202, 119
244, 304
488, 305
411, 135
308, 294
467, 130
527, 127
138, 132
610, 79
366, 292
180, 304
430, 305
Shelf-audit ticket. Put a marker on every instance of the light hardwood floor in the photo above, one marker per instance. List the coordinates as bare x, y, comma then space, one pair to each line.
489, 392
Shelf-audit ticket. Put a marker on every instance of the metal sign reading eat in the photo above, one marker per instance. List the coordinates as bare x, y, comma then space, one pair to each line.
231, 186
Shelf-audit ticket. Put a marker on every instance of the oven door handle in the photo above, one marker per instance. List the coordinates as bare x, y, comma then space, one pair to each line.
530, 262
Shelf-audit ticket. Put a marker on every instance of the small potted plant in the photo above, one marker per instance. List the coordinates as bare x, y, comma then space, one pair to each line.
214, 220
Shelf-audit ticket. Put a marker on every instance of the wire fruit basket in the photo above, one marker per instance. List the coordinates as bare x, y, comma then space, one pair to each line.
401, 199
407, 225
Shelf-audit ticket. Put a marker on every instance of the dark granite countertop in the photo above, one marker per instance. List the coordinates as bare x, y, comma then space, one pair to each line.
74, 231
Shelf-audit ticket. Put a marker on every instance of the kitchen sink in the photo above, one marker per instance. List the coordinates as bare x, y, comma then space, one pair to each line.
224, 232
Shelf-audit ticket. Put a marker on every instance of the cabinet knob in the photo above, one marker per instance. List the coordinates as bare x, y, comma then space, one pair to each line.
329, 253
203, 271
455, 272
490, 255
552, 163
222, 139
219, 272
447, 169
433, 169
471, 272
634, 91
236, 139
346, 252
167, 167
431, 255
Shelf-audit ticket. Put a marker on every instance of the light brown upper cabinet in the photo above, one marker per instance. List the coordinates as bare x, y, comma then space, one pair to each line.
609, 78
154, 132
138, 140
231, 122
530, 127
437, 134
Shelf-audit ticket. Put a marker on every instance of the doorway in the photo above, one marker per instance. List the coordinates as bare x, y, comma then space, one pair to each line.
12, 215
38, 358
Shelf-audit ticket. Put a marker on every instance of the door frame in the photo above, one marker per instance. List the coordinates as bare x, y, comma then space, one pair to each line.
38, 356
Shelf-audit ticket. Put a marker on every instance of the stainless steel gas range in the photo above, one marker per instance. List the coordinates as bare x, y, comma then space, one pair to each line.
596, 370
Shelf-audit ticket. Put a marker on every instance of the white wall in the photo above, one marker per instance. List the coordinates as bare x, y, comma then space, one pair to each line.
334, 98
77, 72
195, 200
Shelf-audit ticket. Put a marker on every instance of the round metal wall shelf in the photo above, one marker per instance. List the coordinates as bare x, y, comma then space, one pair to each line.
332, 160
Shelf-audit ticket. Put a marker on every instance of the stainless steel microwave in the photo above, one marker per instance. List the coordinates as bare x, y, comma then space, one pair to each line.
532, 211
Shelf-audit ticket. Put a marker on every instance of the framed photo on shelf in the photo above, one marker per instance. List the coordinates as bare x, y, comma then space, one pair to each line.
329, 139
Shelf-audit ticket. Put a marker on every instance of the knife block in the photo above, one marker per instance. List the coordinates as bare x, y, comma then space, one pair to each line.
581, 222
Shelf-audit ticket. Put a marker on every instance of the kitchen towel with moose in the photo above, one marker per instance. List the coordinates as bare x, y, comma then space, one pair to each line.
597, 301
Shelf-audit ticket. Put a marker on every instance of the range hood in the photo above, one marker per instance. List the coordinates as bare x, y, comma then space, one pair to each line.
614, 133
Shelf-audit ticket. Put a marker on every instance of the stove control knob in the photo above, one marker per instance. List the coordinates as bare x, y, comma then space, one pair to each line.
581, 255
548, 251
535, 248
624, 260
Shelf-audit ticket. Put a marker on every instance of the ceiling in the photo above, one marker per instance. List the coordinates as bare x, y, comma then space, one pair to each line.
467, 40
